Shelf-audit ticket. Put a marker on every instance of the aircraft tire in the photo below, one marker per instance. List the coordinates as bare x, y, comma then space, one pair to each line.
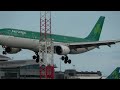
63, 58
65, 61
37, 60
69, 61
34, 57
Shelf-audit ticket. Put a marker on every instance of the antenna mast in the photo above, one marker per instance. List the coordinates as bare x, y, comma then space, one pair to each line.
46, 49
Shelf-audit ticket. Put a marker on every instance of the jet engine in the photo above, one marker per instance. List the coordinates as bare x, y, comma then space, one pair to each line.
62, 50
12, 50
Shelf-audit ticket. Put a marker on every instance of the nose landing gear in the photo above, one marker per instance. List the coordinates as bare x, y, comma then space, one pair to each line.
36, 57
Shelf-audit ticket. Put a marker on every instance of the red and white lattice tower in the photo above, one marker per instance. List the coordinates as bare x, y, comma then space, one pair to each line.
46, 49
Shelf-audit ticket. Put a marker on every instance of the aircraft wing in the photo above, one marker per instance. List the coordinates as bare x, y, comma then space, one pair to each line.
94, 43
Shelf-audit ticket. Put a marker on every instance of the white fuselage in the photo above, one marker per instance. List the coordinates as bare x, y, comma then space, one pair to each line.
32, 44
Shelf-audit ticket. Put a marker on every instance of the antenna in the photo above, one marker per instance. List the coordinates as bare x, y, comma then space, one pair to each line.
46, 49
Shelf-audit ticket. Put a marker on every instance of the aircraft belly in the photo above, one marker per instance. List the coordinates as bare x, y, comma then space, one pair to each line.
80, 50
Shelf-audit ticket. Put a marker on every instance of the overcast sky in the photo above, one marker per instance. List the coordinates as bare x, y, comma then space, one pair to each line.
72, 23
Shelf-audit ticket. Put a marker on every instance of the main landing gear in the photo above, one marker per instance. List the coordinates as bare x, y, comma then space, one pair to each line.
36, 57
65, 59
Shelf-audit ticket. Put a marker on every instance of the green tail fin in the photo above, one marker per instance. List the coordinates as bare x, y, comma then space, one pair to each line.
115, 74
96, 31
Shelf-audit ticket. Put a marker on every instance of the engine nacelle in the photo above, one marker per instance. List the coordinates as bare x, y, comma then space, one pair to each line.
62, 50
12, 50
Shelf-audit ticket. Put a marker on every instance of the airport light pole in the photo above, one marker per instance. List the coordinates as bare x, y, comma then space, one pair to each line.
73, 66
60, 65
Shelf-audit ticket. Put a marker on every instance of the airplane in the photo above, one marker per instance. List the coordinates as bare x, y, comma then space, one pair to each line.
14, 40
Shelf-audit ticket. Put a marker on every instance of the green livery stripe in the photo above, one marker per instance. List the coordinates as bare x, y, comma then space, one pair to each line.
36, 35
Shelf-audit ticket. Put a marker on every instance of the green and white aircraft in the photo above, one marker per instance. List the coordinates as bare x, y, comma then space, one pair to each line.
14, 40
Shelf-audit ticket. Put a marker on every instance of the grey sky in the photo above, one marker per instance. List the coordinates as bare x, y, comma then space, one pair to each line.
72, 23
